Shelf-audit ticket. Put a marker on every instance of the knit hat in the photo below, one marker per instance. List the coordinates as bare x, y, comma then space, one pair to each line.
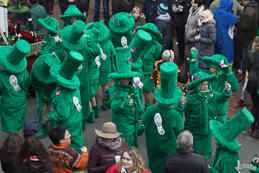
72, 36
226, 133
123, 62
12, 59
30, 127
92, 35
217, 60
121, 23
162, 8
168, 93
64, 74
42, 66
199, 78
72, 11
51, 24
139, 42
109, 130
104, 32
150, 27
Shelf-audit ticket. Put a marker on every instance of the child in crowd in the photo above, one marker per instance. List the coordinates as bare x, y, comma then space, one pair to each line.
140, 18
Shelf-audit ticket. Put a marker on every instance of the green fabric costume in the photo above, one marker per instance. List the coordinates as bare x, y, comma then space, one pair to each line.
14, 79
66, 99
197, 111
43, 84
125, 116
150, 54
226, 157
224, 73
162, 123
72, 39
71, 11
49, 45
121, 25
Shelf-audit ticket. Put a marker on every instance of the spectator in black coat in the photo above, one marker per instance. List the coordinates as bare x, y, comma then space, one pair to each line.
122, 6
11, 146
186, 159
165, 25
150, 9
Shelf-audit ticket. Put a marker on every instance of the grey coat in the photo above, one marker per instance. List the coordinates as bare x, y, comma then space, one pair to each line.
191, 25
205, 46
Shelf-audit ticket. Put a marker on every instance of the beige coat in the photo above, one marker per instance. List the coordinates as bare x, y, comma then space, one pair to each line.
238, 9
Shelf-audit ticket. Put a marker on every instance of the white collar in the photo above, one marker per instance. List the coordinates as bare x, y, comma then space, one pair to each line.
123, 170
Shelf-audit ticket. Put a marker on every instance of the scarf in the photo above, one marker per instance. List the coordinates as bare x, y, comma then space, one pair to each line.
111, 145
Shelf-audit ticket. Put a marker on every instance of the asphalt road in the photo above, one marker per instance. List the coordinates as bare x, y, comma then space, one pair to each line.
247, 152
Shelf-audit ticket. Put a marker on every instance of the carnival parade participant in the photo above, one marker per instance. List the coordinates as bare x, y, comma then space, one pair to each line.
71, 15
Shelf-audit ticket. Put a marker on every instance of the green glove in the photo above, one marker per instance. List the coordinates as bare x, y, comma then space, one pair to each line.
194, 54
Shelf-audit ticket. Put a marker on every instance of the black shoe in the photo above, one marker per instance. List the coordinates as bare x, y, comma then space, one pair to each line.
238, 74
242, 81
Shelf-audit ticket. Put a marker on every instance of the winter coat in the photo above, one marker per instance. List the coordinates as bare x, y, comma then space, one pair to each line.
122, 6
140, 21
185, 161
150, 9
252, 66
34, 166
49, 45
113, 169
67, 112
225, 22
123, 115
7, 160
100, 157
165, 25
14, 101
192, 21
248, 25
161, 141
37, 11
237, 8
179, 19
205, 46
224, 161
64, 3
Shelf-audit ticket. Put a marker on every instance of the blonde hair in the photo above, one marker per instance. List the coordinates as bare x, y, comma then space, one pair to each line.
137, 9
255, 47
207, 14
137, 159
166, 55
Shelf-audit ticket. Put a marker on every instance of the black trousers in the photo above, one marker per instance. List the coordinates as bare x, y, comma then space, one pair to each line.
181, 44
255, 110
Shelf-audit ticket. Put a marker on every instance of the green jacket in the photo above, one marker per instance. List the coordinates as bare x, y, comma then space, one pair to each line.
224, 161
121, 40
94, 62
161, 139
126, 116
49, 45
67, 111
37, 11
13, 106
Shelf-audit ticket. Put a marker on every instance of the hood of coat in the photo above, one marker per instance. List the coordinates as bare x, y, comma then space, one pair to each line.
226, 5
164, 17
252, 4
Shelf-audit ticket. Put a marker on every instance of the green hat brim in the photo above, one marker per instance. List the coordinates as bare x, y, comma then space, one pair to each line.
209, 78
124, 75
147, 29
213, 62
79, 16
11, 68
52, 30
177, 96
119, 30
230, 145
70, 46
73, 83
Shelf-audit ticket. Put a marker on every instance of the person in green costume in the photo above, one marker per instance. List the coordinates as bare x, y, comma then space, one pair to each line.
125, 103
52, 26
72, 38
14, 79
121, 25
71, 15
226, 158
218, 66
108, 55
197, 109
162, 123
66, 100
44, 86
149, 56
93, 70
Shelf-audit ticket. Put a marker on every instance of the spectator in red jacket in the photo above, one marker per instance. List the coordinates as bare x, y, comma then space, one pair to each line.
108, 146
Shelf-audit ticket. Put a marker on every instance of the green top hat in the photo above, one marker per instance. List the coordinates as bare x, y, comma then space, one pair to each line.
51, 24
64, 74
104, 32
217, 61
168, 93
123, 61
12, 59
92, 35
151, 28
42, 66
199, 78
72, 11
72, 36
226, 133
139, 42
121, 23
